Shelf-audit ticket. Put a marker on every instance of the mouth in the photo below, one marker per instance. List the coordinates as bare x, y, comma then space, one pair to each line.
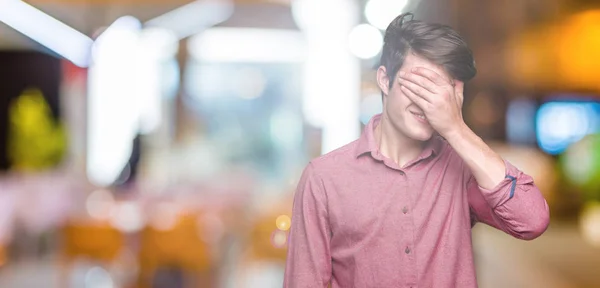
419, 115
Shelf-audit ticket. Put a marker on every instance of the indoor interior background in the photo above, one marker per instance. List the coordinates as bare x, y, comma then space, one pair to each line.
149, 143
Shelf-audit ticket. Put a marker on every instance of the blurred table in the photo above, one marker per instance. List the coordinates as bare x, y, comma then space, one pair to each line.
558, 259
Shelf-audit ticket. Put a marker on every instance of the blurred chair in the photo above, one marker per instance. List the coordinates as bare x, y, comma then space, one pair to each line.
97, 241
263, 244
177, 248
265, 251
3, 255
93, 240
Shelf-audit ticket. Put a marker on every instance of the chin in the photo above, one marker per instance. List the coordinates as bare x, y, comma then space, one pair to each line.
421, 135
420, 132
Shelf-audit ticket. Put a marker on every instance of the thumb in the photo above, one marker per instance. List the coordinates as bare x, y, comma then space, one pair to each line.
458, 91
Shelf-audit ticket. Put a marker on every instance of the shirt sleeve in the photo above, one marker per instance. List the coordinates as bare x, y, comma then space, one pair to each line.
515, 206
308, 262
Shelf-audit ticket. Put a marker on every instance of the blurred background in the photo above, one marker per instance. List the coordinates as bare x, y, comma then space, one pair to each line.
148, 143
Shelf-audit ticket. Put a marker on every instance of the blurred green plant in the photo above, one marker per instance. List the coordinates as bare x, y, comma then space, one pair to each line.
581, 166
35, 140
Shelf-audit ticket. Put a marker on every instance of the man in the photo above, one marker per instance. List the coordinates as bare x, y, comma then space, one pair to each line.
395, 208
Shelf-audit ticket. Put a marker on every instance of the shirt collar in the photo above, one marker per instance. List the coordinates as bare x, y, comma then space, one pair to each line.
367, 143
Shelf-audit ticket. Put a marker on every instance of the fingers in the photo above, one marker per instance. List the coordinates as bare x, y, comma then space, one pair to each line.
416, 89
420, 101
418, 80
431, 75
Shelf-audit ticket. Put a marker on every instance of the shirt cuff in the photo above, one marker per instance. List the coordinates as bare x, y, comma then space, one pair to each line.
514, 182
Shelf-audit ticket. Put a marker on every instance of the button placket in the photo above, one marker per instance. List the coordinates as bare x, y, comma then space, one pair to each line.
409, 252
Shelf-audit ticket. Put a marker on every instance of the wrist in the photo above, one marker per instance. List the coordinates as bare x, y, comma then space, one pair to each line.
456, 132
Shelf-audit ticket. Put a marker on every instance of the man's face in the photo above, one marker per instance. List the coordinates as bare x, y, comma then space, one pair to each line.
404, 115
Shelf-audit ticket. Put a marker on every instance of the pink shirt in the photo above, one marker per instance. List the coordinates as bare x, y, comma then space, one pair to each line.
360, 220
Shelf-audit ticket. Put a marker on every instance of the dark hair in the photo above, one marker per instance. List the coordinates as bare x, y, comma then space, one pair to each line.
437, 43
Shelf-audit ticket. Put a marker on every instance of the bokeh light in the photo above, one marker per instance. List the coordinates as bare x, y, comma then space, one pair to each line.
159, 43
381, 12
365, 41
127, 217
581, 33
279, 238
100, 204
114, 113
97, 277
164, 216
562, 123
581, 165
589, 223
247, 45
283, 222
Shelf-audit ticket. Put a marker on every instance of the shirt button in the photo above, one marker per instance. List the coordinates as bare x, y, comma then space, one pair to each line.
407, 251
405, 210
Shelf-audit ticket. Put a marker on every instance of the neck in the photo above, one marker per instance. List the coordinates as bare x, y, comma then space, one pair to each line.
396, 146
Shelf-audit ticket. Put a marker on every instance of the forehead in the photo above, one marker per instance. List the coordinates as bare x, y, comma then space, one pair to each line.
413, 60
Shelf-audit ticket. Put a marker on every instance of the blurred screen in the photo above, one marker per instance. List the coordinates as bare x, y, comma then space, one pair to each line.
564, 121
520, 121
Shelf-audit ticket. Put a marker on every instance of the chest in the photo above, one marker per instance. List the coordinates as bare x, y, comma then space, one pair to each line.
385, 202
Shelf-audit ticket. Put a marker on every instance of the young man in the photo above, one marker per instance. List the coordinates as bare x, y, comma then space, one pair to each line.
395, 208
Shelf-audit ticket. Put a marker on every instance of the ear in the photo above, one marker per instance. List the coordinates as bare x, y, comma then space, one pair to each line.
383, 81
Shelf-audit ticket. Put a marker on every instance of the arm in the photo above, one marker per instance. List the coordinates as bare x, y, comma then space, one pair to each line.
308, 261
487, 167
500, 195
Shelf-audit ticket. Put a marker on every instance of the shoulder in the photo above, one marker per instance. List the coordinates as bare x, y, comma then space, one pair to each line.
335, 160
328, 165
